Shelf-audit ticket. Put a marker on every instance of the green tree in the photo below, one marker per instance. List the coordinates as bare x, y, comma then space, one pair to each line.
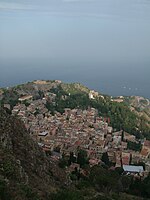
62, 163
72, 158
3, 190
67, 195
134, 146
105, 158
82, 158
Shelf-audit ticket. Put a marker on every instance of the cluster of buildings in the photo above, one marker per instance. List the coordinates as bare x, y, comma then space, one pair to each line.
75, 128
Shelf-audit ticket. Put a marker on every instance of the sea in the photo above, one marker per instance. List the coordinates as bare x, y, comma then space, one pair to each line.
103, 44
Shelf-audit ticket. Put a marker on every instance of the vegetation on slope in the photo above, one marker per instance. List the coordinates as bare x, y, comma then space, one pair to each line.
25, 171
102, 183
121, 117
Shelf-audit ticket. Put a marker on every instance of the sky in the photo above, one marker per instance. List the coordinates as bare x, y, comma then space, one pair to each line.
75, 38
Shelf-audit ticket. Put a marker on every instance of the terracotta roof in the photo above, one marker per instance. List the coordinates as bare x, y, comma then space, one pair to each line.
147, 143
77, 143
144, 152
25, 97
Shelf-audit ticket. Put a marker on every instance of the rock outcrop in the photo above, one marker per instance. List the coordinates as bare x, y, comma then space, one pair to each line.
25, 171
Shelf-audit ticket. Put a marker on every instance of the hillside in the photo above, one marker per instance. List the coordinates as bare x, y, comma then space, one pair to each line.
25, 171
141, 106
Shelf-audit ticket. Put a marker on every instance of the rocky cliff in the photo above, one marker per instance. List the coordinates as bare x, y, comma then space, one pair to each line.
25, 171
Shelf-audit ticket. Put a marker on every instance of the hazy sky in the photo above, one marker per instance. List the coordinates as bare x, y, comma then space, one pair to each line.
74, 35
75, 29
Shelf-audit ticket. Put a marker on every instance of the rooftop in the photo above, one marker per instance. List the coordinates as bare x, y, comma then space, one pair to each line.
133, 168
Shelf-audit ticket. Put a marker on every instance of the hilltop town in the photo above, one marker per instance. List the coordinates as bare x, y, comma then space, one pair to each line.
64, 141
62, 133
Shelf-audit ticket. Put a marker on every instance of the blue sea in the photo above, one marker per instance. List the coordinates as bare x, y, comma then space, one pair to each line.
103, 44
